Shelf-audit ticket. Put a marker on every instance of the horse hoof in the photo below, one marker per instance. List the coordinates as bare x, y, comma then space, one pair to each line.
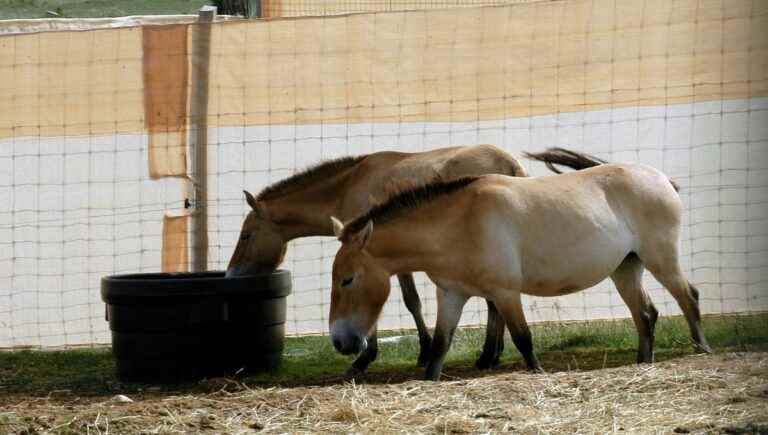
354, 372
703, 348
483, 363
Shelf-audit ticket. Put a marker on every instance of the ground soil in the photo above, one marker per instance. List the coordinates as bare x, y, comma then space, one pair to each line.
723, 393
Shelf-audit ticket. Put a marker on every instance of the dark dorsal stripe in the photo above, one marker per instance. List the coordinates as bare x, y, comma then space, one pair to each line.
407, 199
312, 174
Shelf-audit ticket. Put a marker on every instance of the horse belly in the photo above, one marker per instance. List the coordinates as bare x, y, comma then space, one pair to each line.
549, 244
569, 268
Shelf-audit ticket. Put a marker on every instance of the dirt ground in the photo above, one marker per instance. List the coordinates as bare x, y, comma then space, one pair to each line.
725, 393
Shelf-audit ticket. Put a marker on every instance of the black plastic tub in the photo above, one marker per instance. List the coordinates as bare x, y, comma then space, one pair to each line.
169, 327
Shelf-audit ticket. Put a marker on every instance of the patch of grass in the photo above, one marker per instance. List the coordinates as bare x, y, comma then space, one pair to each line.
81, 369
313, 360
16, 9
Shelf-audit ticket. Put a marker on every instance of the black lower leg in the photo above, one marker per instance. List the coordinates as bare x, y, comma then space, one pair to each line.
425, 349
499, 343
694, 292
494, 339
413, 304
525, 346
366, 357
694, 322
440, 344
645, 331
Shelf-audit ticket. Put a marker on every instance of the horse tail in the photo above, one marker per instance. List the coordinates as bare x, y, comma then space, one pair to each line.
573, 160
564, 157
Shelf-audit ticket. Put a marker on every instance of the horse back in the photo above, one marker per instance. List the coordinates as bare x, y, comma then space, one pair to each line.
623, 185
634, 197
382, 173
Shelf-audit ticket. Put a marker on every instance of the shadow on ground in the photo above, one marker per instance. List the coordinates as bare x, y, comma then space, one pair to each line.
312, 361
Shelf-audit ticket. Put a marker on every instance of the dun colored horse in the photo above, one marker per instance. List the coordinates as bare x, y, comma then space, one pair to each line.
499, 237
301, 206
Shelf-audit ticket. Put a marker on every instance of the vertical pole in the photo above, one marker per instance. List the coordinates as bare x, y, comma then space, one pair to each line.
201, 54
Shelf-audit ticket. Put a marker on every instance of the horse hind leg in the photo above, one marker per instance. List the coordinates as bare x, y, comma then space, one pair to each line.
669, 274
628, 278
511, 309
413, 304
494, 339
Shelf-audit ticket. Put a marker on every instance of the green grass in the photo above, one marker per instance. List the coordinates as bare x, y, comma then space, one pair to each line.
15, 9
312, 360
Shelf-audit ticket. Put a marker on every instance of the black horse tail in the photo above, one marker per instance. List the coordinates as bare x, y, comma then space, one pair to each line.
571, 159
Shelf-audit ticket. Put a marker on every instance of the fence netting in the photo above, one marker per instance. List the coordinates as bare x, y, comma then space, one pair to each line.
95, 131
303, 8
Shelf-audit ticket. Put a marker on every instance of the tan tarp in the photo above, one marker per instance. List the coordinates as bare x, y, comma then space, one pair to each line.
166, 77
71, 83
59, 79
175, 257
433, 65
488, 63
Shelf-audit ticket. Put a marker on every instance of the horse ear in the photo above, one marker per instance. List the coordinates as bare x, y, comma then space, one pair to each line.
250, 199
338, 227
365, 235
256, 205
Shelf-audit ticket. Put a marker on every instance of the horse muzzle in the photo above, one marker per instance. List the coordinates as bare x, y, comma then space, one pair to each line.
236, 271
346, 340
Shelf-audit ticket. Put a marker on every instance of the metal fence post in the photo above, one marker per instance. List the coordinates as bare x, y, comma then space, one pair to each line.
201, 53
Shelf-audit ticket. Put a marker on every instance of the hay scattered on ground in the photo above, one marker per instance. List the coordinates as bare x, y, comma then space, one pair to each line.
696, 394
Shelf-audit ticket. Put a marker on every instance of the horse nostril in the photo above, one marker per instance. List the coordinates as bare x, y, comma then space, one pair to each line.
357, 345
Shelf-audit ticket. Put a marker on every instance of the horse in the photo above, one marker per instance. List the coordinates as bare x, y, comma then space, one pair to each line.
498, 237
301, 205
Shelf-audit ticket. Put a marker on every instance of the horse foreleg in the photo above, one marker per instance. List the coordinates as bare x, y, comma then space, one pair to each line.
628, 279
413, 303
367, 356
511, 308
494, 339
449, 307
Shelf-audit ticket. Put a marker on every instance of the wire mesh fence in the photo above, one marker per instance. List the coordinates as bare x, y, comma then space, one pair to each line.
305, 8
89, 173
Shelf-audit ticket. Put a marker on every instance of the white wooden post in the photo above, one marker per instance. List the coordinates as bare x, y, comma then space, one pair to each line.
201, 54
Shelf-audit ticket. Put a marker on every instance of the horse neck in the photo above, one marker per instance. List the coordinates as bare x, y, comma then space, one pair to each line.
307, 211
411, 245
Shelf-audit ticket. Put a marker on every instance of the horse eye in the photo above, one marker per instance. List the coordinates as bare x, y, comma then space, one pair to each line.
245, 237
347, 281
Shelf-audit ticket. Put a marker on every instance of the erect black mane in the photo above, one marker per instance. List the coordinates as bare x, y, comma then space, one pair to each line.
308, 176
407, 199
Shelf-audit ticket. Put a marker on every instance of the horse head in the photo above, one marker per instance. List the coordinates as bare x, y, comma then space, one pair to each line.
360, 287
260, 247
